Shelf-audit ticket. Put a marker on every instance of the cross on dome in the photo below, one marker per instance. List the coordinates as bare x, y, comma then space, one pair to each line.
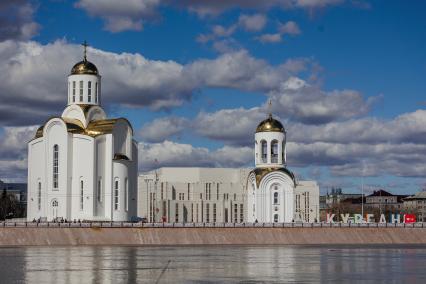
85, 45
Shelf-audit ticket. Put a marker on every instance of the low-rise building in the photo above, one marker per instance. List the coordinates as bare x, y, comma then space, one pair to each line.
384, 201
416, 204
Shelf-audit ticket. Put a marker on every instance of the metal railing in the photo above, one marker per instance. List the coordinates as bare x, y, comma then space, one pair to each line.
205, 225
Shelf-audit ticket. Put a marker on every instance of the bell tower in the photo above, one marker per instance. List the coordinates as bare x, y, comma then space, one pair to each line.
84, 82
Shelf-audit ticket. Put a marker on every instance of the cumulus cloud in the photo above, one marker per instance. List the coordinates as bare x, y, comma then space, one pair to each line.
232, 126
121, 15
170, 154
34, 83
290, 28
298, 100
252, 23
13, 152
212, 7
163, 128
270, 38
16, 20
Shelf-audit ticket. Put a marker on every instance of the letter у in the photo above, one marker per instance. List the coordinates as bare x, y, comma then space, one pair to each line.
344, 217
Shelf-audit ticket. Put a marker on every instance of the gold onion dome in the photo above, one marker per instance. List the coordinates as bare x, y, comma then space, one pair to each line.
270, 125
84, 67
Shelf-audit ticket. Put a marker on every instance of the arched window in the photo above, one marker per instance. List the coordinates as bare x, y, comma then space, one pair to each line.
126, 195
89, 91
81, 91
73, 91
275, 197
116, 194
55, 165
264, 150
39, 196
275, 218
81, 195
100, 190
274, 151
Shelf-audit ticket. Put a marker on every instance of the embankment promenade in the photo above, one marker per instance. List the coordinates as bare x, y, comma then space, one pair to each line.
70, 234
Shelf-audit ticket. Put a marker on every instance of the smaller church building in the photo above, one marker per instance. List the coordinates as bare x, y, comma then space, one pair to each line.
268, 193
83, 165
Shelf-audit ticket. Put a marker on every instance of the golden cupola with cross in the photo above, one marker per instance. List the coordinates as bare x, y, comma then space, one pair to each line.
84, 83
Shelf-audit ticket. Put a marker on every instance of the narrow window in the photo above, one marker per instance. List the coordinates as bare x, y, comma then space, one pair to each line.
81, 195
39, 196
162, 189
241, 212
89, 91
275, 197
214, 212
192, 212
96, 92
275, 218
274, 151
264, 150
73, 91
100, 190
116, 193
188, 191
235, 213
126, 195
217, 191
208, 213
81, 91
177, 213
55, 165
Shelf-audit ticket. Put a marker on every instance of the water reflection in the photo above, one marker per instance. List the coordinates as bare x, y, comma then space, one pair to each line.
210, 264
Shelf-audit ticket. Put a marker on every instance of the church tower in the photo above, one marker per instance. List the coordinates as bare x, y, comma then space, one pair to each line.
82, 164
84, 83
270, 184
270, 148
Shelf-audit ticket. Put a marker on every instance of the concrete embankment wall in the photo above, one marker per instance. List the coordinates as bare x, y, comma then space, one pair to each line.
209, 236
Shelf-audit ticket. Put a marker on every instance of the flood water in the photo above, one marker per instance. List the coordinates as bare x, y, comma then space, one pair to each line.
213, 264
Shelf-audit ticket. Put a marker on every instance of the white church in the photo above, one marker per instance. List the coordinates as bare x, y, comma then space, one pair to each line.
83, 165
268, 193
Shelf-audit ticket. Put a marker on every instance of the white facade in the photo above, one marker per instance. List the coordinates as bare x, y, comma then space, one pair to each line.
268, 193
199, 195
82, 165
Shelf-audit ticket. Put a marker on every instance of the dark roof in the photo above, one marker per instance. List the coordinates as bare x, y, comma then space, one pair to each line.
380, 192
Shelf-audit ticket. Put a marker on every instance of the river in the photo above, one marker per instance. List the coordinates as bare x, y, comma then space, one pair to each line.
213, 264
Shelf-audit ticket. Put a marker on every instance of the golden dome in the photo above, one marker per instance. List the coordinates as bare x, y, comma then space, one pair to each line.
270, 125
84, 67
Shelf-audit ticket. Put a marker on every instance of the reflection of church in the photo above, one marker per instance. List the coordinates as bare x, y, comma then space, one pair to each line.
83, 165
268, 193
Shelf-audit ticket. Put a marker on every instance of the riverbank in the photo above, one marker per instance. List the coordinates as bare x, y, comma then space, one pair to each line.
61, 236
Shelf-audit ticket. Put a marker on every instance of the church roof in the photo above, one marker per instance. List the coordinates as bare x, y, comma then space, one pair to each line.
93, 129
84, 67
270, 125
260, 173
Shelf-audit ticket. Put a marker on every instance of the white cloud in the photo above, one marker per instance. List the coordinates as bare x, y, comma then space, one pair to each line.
121, 15
162, 128
270, 38
252, 23
33, 83
289, 27
299, 101
170, 154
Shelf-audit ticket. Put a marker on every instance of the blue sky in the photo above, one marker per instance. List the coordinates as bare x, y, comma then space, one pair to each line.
361, 63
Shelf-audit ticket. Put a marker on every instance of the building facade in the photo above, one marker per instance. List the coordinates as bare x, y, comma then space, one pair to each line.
268, 193
416, 204
83, 165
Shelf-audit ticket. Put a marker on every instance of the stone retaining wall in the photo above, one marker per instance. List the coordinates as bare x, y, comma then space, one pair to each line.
209, 236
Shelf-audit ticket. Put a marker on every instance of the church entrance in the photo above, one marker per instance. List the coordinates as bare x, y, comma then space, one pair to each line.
55, 209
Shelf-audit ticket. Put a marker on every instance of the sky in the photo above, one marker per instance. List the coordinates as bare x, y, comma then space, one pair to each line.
194, 77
